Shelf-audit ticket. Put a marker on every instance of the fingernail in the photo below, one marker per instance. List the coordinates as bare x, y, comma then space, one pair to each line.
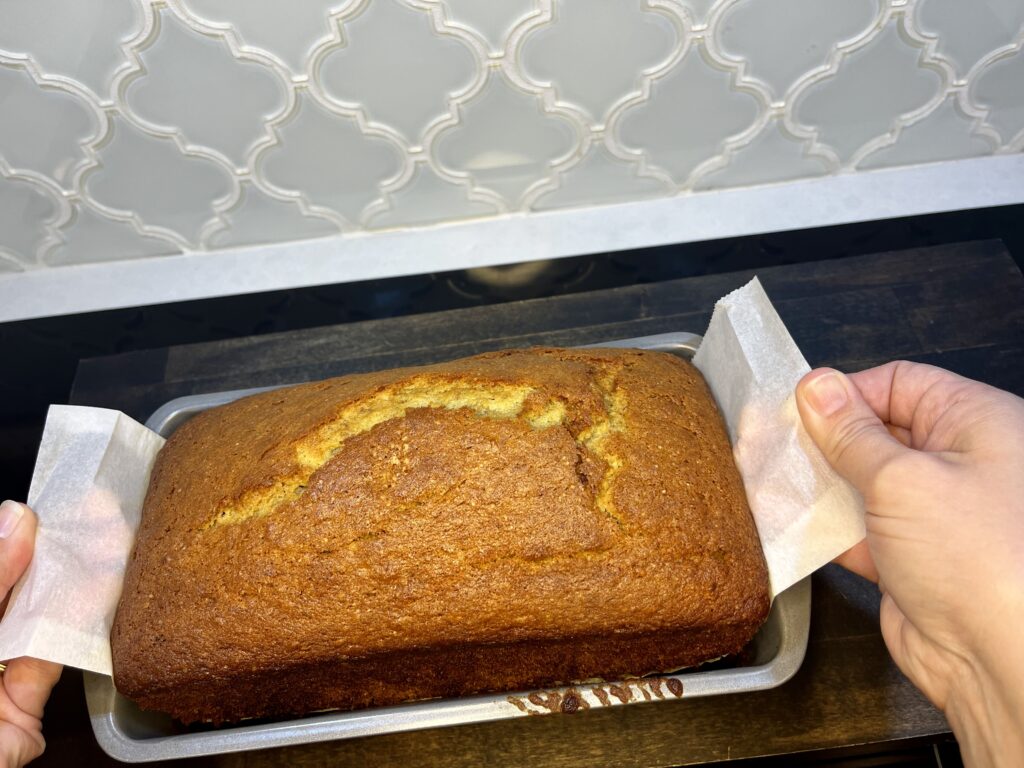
11, 513
826, 394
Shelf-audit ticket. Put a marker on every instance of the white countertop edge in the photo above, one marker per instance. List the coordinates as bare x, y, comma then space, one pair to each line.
841, 199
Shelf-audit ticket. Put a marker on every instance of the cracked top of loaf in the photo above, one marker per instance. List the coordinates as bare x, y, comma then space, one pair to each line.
523, 495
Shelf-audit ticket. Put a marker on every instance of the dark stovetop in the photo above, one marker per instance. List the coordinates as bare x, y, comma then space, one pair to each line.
957, 306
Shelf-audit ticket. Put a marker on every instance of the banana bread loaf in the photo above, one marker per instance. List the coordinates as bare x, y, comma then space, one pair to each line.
512, 520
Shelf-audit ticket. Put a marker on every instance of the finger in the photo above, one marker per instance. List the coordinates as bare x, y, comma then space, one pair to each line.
20, 746
845, 428
902, 434
17, 540
894, 389
892, 623
909, 395
858, 559
29, 681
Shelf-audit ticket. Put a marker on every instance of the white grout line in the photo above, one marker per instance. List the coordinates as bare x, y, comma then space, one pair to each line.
844, 198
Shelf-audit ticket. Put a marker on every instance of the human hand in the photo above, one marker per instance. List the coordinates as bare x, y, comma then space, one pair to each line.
26, 683
939, 460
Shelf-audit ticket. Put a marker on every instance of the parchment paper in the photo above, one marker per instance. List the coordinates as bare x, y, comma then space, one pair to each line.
93, 468
88, 486
805, 513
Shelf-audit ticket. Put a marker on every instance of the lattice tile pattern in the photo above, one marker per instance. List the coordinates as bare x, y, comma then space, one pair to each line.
138, 128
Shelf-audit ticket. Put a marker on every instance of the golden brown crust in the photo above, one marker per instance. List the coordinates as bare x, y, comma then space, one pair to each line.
509, 520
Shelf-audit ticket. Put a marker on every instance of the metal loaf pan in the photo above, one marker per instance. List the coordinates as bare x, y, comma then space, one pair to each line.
129, 734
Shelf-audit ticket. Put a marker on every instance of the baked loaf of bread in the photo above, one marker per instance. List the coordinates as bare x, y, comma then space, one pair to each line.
512, 520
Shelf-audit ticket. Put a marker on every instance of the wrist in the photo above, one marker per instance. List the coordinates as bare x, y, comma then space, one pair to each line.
985, 708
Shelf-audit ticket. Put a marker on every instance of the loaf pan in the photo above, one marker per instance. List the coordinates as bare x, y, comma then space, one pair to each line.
129, 734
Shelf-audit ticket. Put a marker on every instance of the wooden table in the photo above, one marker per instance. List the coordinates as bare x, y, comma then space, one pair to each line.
961, 307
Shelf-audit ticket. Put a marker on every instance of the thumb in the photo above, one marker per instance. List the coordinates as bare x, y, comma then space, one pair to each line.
844, 427
17, 539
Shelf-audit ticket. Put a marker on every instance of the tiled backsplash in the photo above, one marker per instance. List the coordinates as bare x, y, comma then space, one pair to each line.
135, 128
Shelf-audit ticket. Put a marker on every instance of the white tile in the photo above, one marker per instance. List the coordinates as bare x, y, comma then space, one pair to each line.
966, 31
491, 21
505, 140
781, 40
151, 178
259, 218
594, 59
698, 9
9, 262
945, 134
80, 39
875, 86
690, 114
999, 89
42, 129
328, 160
25, 212
601, 178
395, 67
287, 31
191, 83
428, 198
91, 238
771, 157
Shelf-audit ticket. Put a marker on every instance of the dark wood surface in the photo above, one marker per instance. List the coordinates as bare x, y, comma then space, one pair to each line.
960, 306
